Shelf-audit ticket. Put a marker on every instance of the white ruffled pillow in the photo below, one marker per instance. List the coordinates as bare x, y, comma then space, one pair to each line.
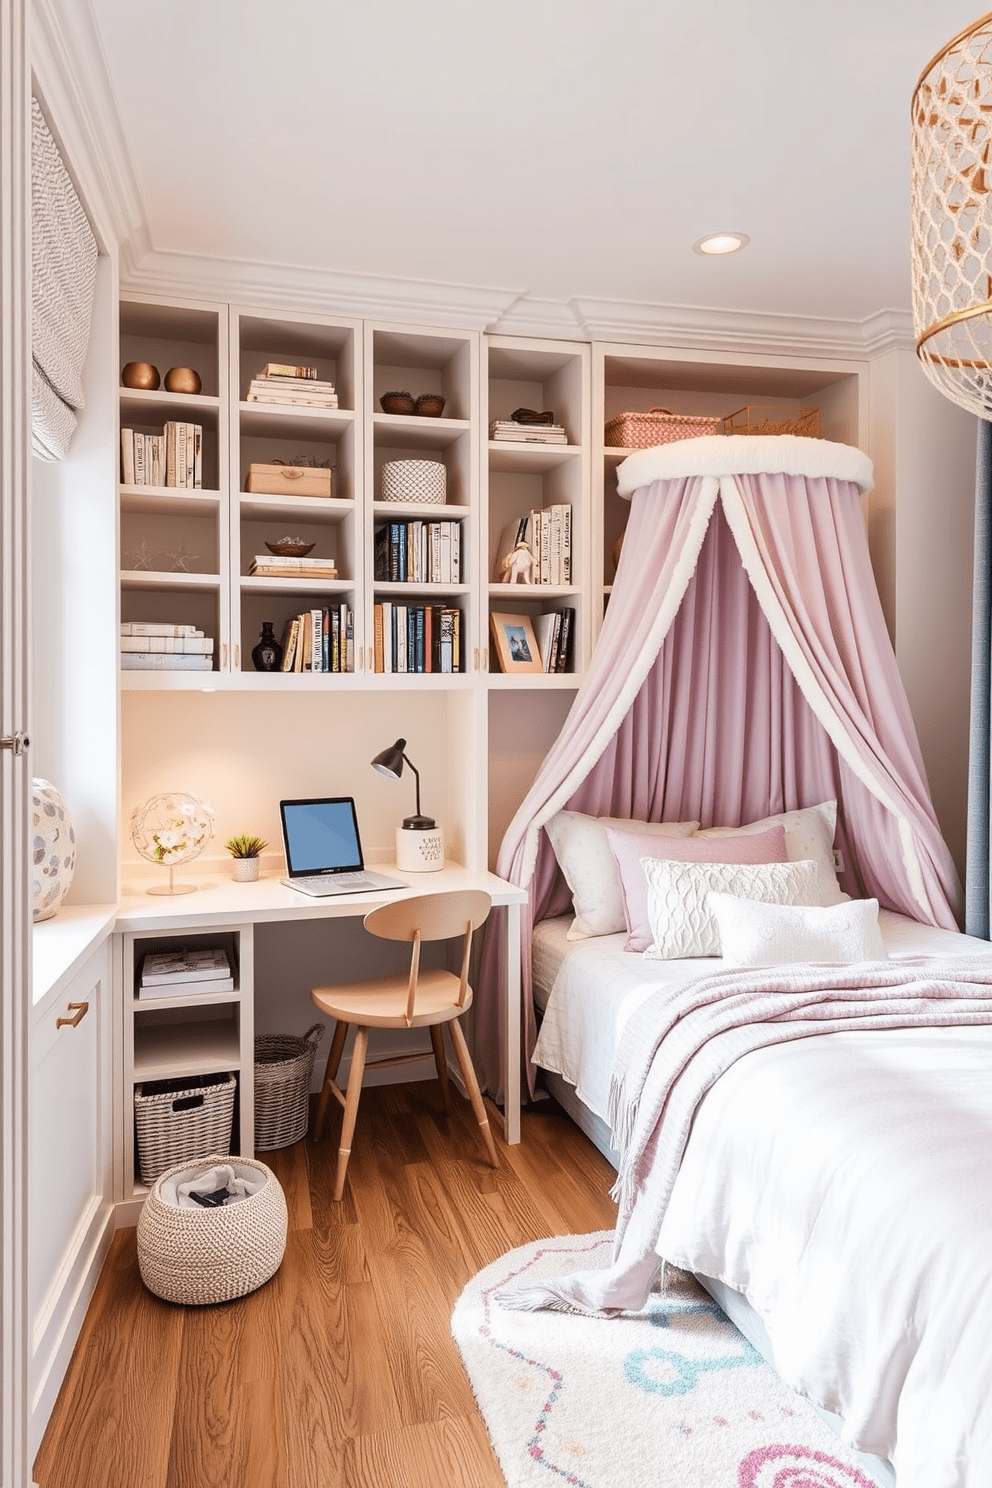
757, 934
809, 836
590, 870
682, 923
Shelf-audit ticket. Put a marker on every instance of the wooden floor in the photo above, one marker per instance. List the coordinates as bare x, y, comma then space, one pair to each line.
341, 1372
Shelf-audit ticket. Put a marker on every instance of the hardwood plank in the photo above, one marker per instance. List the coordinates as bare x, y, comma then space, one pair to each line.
112, 1421
292, 1169
454, 1453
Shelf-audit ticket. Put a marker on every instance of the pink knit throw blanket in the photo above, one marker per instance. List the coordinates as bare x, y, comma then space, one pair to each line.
681, 1040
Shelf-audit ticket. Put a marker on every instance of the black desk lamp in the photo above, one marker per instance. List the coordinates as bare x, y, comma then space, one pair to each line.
419, 843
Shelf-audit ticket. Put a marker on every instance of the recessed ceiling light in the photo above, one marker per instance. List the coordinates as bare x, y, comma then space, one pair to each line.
725, 242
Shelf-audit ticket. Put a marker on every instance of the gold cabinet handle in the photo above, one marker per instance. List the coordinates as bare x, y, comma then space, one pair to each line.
81, 1009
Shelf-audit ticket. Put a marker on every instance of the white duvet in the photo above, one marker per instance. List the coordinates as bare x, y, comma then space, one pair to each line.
844, 1185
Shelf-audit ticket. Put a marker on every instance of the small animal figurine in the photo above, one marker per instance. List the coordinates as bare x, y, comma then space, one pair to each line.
518, 566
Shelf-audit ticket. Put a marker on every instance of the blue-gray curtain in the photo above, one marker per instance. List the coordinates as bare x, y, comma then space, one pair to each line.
978, 912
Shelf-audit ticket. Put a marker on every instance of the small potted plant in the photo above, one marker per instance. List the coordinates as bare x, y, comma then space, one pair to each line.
246, 852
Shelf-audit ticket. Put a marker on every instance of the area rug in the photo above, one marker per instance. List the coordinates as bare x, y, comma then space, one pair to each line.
672, 1396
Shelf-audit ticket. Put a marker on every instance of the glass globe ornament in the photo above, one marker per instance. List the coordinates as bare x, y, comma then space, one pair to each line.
172, 829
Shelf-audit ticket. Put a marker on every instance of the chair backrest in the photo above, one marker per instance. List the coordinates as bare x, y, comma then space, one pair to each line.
432, 917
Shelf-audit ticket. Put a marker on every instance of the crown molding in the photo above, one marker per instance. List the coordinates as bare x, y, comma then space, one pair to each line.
71, 81
702, 328
319, 291
889, 330
530, 316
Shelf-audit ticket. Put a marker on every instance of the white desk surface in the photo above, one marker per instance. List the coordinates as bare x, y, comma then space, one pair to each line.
219, 900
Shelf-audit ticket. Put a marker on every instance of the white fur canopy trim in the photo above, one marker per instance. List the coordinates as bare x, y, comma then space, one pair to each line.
746, 454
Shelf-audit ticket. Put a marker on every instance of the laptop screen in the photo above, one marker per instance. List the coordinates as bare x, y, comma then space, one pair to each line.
321, 836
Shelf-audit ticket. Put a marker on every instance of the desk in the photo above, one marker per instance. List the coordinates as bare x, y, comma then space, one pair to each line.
220, 904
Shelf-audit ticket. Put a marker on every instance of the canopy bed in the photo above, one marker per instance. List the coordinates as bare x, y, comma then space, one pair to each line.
743, 735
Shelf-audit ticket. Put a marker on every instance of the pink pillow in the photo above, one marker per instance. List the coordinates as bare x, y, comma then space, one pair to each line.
628, 848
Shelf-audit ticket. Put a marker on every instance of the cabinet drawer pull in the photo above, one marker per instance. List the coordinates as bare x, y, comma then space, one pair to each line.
81, 1009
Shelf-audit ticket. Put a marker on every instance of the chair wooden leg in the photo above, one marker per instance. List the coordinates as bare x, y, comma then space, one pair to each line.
472, 1086
351, 1106
330, 1075
437, 1039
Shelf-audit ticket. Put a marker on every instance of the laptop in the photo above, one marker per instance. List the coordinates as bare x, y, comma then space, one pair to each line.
324, 851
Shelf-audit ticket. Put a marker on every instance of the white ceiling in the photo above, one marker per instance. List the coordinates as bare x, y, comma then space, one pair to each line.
557, 150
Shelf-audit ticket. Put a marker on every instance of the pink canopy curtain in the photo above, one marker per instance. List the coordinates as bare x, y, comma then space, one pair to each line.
726, 690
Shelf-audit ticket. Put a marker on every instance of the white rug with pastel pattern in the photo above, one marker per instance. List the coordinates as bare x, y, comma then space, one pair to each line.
669, 1397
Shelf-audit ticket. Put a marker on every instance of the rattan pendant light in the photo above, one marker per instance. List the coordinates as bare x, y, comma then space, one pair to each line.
952, 218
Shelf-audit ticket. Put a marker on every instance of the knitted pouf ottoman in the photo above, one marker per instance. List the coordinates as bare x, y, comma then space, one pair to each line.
217, 1251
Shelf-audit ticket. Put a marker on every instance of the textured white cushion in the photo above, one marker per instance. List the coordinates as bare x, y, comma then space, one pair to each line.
809, 836
681, 920
590, 870
757, 934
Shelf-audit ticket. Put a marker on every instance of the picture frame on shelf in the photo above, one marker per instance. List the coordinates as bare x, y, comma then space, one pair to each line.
515, 643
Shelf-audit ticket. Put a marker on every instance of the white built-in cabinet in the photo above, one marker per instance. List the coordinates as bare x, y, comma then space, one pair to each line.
70, 1167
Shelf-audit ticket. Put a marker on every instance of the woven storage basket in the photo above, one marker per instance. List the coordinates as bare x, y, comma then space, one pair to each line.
198, 1256
181, 1120
283, 1066
774, 418
657, 426
423, 481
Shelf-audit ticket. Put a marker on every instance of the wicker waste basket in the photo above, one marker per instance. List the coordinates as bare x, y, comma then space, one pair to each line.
283, 1068
202, 1255
182, 1120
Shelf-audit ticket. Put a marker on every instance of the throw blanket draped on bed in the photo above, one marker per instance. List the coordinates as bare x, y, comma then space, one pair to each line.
681, 1040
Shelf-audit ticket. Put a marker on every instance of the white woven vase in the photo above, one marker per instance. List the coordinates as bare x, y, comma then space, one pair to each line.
245, 870
53, 849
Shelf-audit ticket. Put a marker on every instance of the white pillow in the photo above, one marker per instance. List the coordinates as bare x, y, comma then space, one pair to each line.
757, 934
590, 869
681, 921
809, 836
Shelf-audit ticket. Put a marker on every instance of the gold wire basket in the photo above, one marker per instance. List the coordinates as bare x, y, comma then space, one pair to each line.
774, 418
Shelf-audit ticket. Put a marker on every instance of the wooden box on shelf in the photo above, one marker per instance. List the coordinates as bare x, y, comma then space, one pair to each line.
288, 480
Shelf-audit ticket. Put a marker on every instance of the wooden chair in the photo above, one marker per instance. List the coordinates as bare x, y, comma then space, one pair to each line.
423, 999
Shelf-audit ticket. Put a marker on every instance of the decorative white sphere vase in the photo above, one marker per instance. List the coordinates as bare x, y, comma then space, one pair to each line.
53, 849
172, 829
419, 850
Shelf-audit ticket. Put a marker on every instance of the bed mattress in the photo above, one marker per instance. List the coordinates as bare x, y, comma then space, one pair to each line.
843, 1185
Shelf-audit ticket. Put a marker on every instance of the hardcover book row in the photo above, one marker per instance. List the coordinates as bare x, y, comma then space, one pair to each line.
417, 638
417, 552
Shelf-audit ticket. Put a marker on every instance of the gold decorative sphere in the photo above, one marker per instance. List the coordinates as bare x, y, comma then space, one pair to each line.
182, 380
140, 375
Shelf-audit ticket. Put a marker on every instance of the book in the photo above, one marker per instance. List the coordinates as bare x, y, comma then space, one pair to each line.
274, 386
168, 645
189, 965
287, 369
186, 989
316, 618
545, 627
284, 561
565, 639
277, 571
290, 640
294, 400
159, 661
157, 628
127, 457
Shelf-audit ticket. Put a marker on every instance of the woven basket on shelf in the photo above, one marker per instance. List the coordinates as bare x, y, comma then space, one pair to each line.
283, 1067
774, 418
181, 1120
657, 426
199, 1256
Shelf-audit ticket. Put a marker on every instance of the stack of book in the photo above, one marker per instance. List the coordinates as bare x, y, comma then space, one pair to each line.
554, 638
417, 552
417, 638
271, 566
279, 382
185, 973
547, 532
510, 431
320, 640
149, 645
172, 458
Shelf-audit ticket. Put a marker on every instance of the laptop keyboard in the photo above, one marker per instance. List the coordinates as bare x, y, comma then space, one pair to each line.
321, 880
